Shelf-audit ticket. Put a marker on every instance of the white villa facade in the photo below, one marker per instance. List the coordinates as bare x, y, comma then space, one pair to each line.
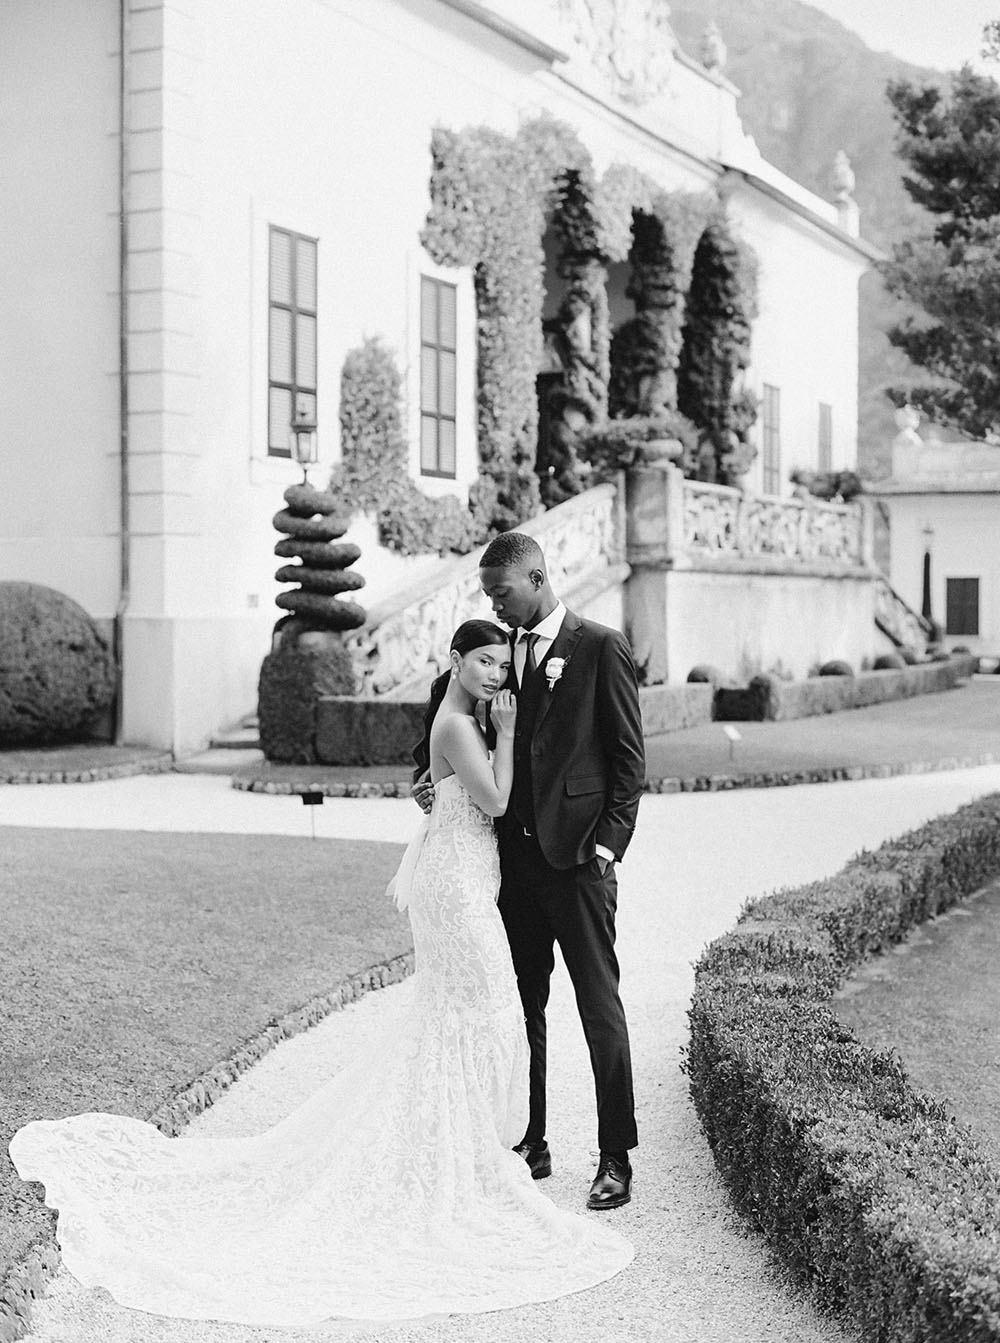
144, 398
944, 503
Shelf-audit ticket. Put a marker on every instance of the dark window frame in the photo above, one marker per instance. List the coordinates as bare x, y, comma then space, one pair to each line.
295, 309
962, 606
770, 421
436, 348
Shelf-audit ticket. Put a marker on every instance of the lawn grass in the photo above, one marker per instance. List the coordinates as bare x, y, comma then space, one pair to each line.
132, 962
935, 1000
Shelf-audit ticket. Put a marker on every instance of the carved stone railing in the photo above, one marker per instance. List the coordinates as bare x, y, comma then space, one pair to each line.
720, 523
898, 620
404, 642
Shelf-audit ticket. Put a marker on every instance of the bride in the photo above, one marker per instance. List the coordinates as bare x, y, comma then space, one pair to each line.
392, 1192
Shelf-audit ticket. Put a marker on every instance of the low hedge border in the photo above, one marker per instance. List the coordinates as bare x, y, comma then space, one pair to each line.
28, 1279
868, 1190
351, 730
774, 700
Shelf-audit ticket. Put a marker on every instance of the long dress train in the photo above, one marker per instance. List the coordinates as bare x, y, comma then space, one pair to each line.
390, 1193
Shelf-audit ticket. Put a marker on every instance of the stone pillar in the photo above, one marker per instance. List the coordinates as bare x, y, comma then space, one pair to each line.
654, 503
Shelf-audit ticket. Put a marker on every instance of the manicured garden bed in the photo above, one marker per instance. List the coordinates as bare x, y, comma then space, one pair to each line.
769, 698
136, 963
868, 1190
936, 1002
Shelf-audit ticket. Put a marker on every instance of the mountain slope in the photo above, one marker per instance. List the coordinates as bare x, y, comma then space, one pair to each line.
810, 87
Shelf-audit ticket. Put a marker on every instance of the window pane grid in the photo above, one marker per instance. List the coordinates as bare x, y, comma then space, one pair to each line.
437, 377
292, 358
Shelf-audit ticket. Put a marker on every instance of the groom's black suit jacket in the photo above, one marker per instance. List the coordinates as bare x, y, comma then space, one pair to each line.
579, 763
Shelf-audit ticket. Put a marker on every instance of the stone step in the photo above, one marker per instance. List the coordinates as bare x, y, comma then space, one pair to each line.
218, 760
243, 738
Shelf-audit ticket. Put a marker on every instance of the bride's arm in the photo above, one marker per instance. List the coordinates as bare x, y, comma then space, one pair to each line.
461, 744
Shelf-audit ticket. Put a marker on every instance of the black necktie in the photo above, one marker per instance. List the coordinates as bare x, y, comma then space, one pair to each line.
530, 665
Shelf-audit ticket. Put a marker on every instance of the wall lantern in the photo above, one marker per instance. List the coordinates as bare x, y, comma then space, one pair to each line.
302, 441
925, 593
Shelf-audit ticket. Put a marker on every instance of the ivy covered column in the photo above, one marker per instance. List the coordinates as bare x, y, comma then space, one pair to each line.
721, 306
584, 336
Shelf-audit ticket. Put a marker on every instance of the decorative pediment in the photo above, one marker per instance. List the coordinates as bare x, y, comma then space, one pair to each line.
629, 42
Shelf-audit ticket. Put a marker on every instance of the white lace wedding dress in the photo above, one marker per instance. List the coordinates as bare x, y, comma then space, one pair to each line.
391, 1193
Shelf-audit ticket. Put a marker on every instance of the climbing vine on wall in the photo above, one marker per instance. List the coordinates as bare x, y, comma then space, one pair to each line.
490, 195
721, 306
373, 474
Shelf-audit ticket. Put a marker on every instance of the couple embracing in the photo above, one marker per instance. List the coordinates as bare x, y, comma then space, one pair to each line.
405, 1186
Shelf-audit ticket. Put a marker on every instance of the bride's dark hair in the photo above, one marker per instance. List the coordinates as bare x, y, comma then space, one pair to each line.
470, 634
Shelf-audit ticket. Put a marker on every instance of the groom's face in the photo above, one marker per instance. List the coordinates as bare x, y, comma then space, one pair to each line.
514, 593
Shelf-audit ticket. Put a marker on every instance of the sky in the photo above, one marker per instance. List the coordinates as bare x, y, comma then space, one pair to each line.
938, 33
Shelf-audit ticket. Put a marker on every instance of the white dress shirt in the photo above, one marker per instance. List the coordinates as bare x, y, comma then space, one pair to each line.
546, 630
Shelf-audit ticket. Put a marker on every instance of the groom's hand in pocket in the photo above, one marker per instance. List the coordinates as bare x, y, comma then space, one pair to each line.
604, 863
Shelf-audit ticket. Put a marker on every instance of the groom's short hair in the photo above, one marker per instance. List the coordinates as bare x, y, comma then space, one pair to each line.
509, 550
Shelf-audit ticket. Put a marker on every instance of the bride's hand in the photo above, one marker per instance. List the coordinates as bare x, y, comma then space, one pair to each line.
503, 711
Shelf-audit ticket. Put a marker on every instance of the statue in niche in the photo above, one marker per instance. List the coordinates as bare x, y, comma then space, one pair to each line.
629, 41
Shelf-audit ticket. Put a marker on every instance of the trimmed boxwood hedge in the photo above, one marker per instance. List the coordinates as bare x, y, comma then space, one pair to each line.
869, 1190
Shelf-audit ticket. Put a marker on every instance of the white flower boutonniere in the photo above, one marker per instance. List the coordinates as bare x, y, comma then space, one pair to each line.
553, 671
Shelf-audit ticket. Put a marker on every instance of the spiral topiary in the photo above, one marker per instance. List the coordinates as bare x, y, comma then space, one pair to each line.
311, 527
57, 674
309, 658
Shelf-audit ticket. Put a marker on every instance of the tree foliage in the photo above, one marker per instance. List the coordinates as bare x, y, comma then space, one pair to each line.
950, 142
721, 306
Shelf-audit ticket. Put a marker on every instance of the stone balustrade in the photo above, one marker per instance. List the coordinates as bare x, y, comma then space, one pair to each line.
685, 524
721, 523
404, 642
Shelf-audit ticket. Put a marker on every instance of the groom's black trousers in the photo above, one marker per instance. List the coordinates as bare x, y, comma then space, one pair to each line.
541, 905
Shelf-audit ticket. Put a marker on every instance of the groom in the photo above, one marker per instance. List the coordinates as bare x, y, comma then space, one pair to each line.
578, 774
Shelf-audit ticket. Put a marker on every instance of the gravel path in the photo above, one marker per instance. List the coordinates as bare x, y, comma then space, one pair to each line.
698, 1277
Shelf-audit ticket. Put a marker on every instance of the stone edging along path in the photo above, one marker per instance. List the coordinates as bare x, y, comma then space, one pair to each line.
28, 1279
698, 783
97, 774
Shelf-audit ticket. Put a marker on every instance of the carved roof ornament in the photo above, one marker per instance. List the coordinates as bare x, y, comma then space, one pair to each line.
630, 42
712, 51
842, 177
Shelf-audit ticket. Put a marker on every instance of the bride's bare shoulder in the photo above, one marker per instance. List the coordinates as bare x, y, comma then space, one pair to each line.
456, 727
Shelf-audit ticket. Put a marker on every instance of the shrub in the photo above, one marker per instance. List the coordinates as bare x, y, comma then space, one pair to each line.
373, 474
836, 668
867, 1189
721, 307
614, 445
744, 704
292, 680
57, 673
703, 672
888, 662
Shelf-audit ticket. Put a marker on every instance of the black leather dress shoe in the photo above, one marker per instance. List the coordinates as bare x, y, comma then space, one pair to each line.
538, 1157
613, 1185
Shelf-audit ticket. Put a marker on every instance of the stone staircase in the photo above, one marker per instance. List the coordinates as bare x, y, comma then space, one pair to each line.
227, 751
904, 627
